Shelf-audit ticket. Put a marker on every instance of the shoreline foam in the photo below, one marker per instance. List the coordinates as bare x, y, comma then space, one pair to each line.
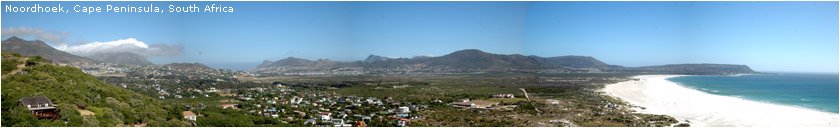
661, 96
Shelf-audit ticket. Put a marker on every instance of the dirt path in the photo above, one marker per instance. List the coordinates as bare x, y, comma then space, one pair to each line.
19, 68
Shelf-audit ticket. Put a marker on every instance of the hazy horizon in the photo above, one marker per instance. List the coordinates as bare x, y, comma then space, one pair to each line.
767, 36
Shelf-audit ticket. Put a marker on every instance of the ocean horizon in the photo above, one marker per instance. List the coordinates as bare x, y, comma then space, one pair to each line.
816, 91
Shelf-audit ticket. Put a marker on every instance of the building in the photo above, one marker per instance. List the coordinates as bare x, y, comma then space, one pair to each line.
463, 104
401, 122
552, 101
231, 106
189, 115
475, 104
484, 103
325, 116
310, 121
40, 106
361, 123
404, 109
503, 96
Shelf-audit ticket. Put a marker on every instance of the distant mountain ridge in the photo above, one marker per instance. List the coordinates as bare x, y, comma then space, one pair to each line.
121, 58
477, 60
469, 59
374, 58
298, 62
39, 48
699, 69
188, 66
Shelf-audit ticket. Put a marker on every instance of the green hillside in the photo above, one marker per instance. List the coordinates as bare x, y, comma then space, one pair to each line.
69, 87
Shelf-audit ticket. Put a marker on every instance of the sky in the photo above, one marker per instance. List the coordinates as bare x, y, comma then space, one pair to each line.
767, 36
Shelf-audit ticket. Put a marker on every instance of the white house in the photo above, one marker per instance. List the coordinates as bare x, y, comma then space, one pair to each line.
189, 115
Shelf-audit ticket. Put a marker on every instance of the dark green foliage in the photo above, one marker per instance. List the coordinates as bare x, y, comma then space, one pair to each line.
68, 86
219, 117
9, 65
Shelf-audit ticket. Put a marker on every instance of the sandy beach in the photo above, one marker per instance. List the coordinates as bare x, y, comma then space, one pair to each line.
660, 96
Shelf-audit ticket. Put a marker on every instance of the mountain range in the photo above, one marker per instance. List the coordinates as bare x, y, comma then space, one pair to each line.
39, 48
463, 59
121, 58
477, 60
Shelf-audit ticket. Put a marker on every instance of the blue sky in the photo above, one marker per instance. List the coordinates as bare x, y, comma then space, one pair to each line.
767, 36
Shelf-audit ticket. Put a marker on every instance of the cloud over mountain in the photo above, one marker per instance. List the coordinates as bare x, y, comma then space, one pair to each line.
124, 45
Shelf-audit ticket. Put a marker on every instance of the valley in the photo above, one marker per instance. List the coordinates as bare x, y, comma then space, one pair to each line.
464, 88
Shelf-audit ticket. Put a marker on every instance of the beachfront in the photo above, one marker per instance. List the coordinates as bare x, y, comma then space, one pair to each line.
660, 96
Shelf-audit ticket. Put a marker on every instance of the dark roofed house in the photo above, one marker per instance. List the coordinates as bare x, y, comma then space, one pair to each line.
40, 106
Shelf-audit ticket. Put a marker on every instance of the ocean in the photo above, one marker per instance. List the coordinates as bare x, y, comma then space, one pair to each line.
813, 91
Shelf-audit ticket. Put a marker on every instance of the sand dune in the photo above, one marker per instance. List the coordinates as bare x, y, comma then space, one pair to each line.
660, 96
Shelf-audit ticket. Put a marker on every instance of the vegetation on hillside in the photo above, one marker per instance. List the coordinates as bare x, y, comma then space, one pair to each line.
69, 87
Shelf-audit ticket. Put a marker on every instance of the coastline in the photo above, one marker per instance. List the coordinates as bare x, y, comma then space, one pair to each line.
660, 96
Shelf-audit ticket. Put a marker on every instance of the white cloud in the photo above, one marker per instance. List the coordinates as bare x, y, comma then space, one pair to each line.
124, 45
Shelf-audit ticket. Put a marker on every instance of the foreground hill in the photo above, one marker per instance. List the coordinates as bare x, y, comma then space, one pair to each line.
69, 88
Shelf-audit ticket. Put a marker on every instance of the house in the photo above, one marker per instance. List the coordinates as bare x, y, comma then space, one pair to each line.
503, 96
484, 103
361, 123
272, 110
189, 115
342, 115
401, 122
310, 121
325, 116
301, 114
140, 124
40, 106
463, 104
337, 122
232, 106
403, 109
552, 101
363, 117
475, 104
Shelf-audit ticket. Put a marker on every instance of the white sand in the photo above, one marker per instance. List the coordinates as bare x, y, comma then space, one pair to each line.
660, 96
